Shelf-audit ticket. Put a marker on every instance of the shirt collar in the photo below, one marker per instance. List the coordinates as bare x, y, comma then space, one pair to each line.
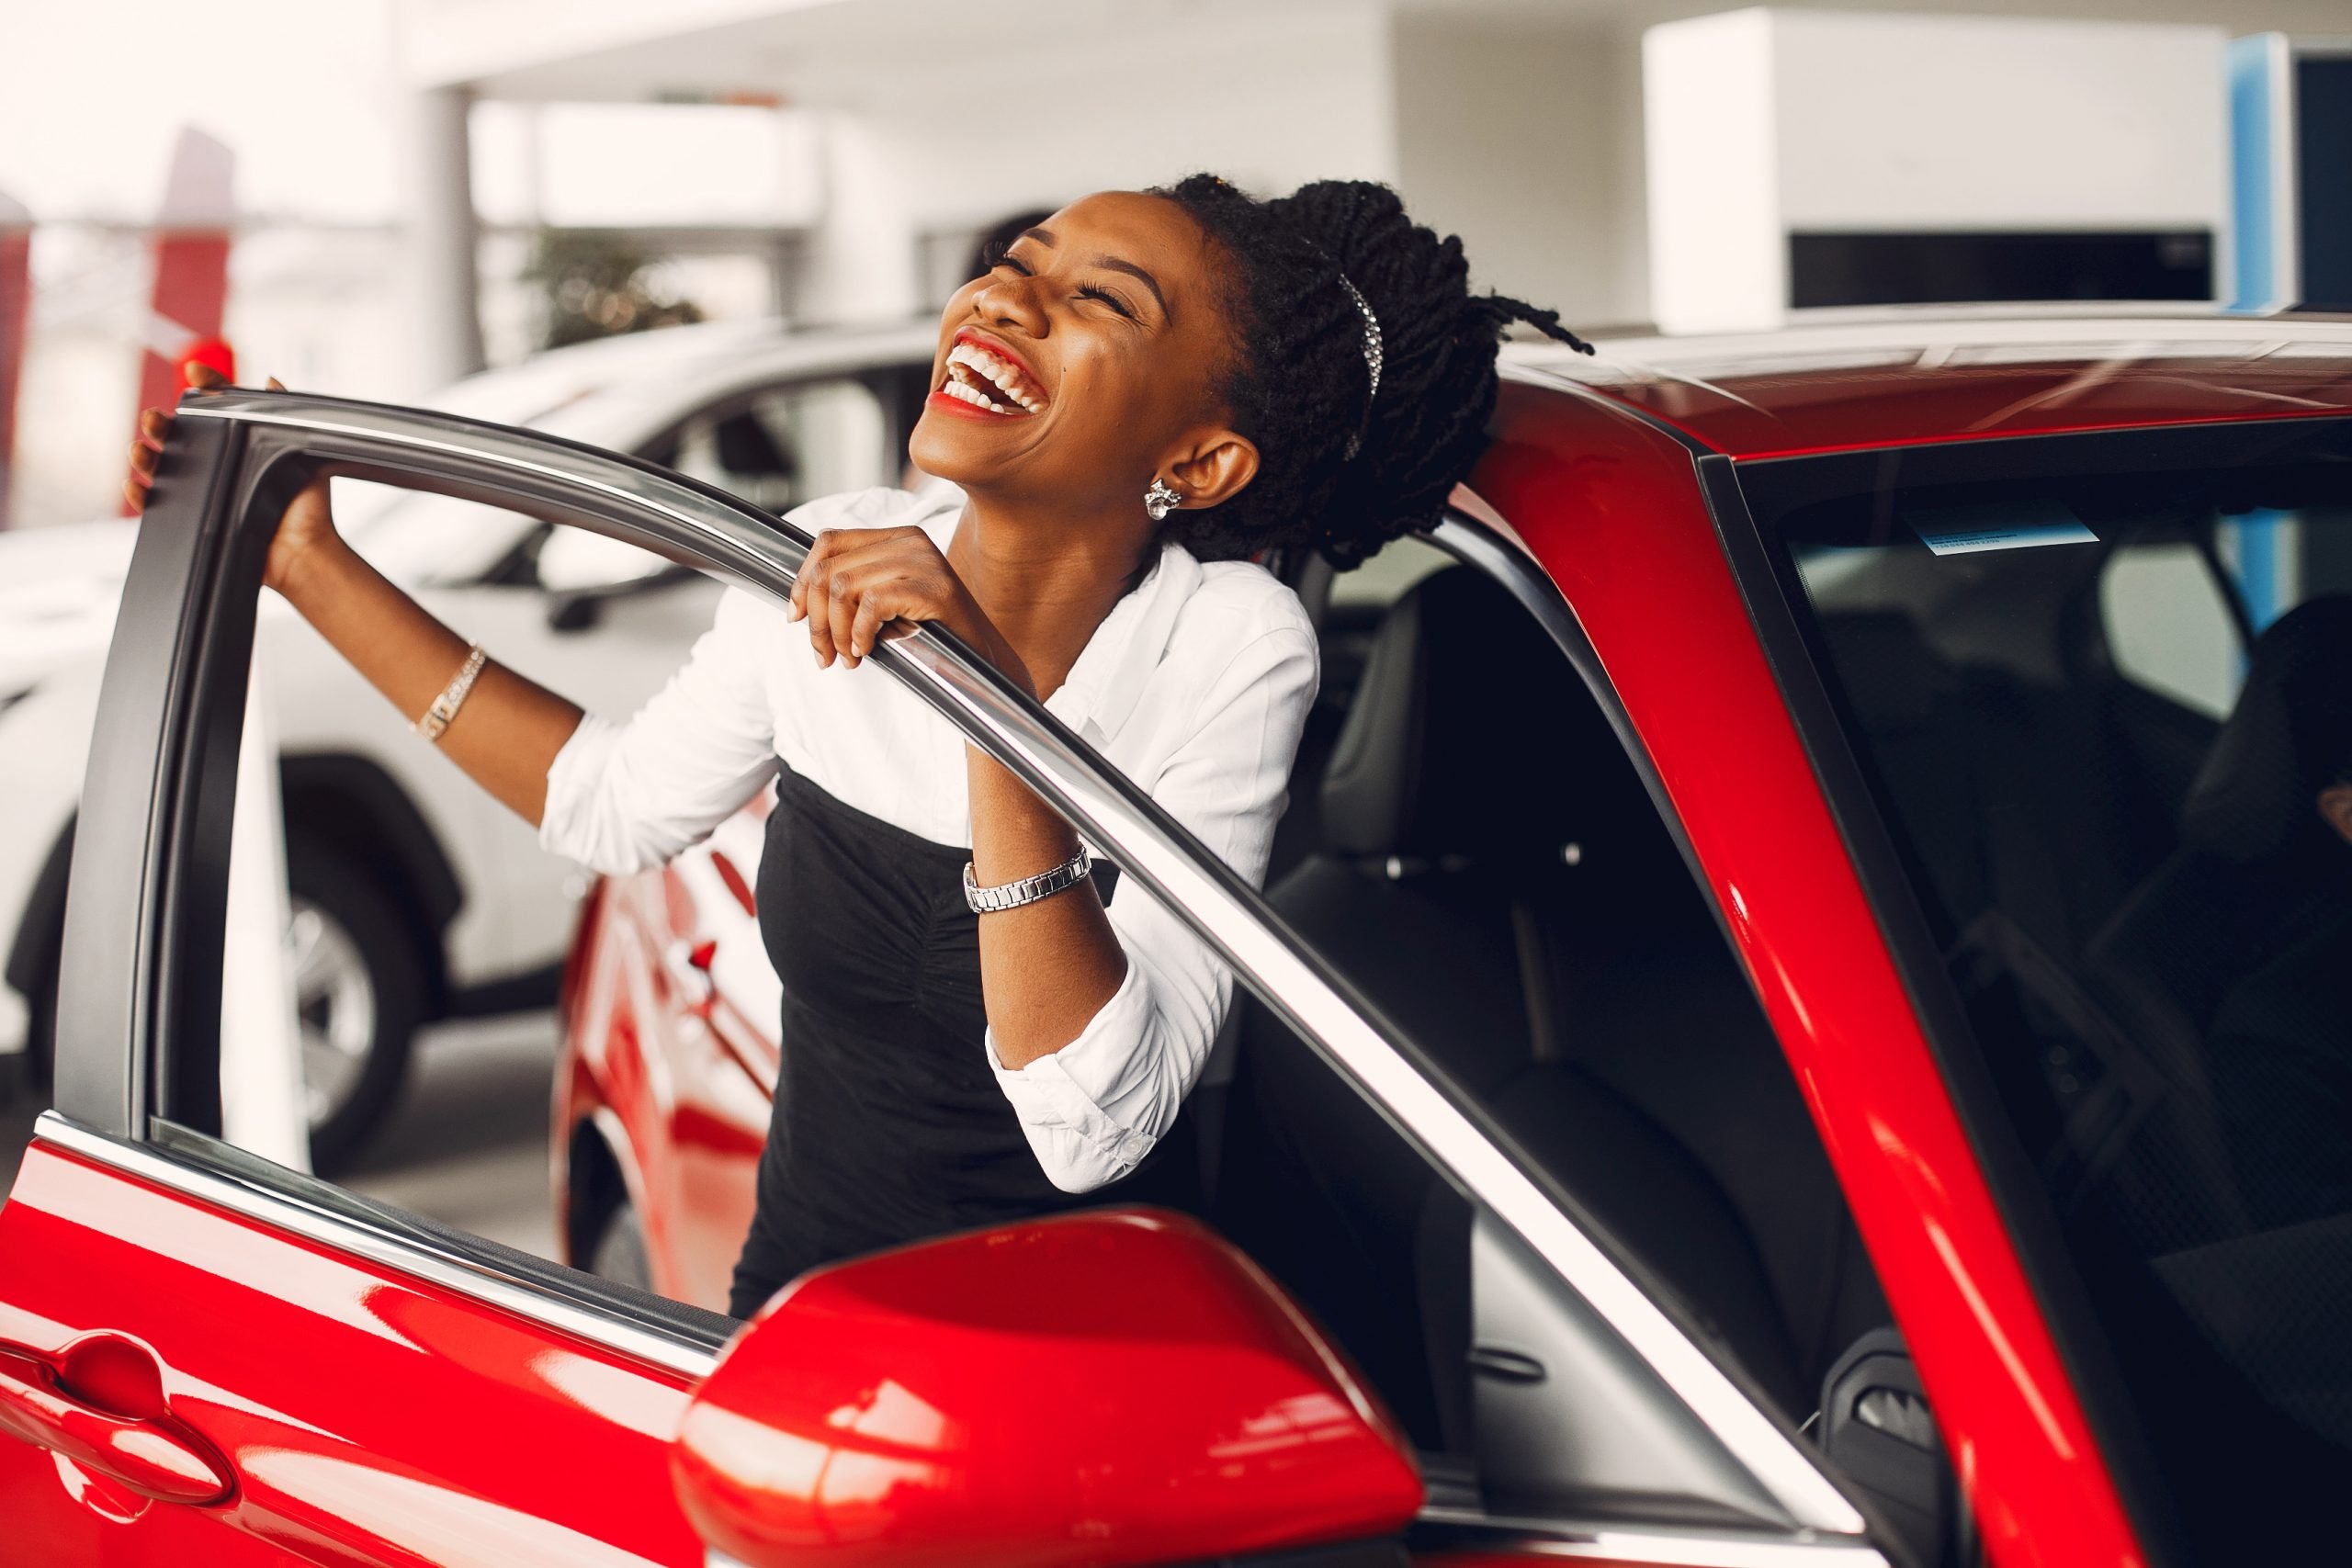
1104, 686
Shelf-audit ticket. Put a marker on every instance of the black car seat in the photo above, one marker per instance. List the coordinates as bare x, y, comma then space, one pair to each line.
1494, 879
2255, 870
2010, 795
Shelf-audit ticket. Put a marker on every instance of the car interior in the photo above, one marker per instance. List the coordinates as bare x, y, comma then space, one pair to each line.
1468, 842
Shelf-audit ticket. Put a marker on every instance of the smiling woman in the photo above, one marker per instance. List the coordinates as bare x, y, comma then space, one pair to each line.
1144, 391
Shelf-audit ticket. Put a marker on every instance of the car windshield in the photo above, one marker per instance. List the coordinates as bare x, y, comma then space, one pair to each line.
2107, 716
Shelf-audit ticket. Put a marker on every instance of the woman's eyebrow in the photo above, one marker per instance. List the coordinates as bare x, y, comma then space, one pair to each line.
1046, 238
1132, 270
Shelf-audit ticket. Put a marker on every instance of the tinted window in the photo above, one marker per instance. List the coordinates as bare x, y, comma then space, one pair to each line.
2128, 828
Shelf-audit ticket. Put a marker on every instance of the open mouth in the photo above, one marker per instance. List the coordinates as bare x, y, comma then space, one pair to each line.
987, 380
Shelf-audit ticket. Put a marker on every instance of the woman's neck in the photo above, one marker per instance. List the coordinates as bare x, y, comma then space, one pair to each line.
1045, 584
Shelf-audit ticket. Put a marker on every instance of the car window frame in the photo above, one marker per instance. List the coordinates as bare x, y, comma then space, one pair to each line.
175, 688
881, 378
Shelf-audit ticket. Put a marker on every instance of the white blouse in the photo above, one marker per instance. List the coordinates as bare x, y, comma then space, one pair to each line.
1196, 685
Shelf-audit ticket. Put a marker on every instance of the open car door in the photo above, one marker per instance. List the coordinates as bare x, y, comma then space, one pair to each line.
208, 1357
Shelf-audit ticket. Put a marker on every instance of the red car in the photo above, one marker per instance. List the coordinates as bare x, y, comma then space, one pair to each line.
1738, 1059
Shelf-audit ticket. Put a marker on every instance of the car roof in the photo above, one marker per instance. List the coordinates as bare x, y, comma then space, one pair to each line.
1851, 380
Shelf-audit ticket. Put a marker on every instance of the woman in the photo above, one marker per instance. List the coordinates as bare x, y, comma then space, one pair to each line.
1146, 389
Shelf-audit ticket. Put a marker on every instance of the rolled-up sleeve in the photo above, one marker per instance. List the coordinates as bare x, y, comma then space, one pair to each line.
1093, 1110
624, 796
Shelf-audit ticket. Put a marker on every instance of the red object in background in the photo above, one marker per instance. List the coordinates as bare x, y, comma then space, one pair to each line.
16, 314
211, 351
1091, 1390
191, 291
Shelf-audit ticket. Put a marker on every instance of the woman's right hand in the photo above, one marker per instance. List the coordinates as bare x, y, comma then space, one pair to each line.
307, 522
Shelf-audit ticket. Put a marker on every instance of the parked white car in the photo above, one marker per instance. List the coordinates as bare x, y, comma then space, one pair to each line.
414, 896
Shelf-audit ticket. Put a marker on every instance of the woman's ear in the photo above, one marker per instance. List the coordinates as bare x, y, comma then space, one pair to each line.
1213, 468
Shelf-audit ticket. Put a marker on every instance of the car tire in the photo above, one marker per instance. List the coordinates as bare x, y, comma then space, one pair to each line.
359, 991
620, 1253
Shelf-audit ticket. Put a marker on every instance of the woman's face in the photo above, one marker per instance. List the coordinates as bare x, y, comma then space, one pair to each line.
1084, 363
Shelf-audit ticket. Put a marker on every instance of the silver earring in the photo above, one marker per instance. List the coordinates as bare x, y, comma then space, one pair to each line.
1160, 499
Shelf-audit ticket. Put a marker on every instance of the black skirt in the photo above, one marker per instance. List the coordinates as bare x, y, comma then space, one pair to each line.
888, 1126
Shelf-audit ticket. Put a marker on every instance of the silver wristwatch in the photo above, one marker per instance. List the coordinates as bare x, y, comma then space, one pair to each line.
1029, 889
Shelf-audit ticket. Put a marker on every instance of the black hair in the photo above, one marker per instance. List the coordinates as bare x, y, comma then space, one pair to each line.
1337, 472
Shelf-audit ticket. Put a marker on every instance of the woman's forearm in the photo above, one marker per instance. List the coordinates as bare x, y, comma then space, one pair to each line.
505, 736
1045, 969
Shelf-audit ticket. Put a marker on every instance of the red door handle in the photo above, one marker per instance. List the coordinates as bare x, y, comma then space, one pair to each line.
151, 1457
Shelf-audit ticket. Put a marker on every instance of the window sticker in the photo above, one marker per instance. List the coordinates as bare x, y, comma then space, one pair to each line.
1997, 526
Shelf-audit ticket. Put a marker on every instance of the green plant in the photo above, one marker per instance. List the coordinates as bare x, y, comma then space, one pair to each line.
599, 285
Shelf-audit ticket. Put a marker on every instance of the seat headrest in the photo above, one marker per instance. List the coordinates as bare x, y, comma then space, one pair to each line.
2289, 737
1472, 736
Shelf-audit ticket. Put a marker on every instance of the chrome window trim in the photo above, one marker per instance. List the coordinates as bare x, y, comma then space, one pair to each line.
1667, 1547
477, 1277
1145, 844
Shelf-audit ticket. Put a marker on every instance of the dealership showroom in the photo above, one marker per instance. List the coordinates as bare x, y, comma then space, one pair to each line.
1246, 783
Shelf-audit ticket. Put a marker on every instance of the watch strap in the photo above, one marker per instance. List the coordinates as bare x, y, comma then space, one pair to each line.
1029, 889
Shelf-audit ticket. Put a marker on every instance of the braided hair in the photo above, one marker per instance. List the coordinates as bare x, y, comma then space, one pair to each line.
1340, 470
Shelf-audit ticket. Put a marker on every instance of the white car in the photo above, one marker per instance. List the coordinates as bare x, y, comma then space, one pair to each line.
415, 895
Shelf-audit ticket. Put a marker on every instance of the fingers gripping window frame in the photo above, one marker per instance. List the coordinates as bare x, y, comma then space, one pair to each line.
159, 783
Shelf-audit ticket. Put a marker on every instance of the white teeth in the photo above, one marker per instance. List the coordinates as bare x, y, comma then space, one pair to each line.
1003, 376
955, 389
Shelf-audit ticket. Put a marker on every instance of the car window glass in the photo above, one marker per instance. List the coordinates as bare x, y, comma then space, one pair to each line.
2168, 626
412, 536
423, 929
2133, 862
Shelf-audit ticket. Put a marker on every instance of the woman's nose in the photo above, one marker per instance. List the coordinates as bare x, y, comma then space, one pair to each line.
1010, 299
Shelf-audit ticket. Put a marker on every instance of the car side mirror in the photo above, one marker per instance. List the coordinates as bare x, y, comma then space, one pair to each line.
574, 611
581, 609
1111, 1387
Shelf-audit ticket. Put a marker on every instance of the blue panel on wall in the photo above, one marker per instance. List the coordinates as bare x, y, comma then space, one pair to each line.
2252, 91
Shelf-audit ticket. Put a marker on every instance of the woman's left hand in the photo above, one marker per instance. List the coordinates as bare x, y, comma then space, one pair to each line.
862, 585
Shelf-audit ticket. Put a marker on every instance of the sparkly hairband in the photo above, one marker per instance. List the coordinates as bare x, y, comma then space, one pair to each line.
1371, 359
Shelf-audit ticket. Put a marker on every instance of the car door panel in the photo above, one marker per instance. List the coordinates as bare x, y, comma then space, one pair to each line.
267, 1349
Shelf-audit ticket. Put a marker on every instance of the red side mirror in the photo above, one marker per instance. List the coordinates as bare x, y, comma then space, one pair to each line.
1107, 1388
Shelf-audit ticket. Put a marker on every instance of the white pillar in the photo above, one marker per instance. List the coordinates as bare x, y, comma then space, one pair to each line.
263, 1109
442, 234
860, 255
